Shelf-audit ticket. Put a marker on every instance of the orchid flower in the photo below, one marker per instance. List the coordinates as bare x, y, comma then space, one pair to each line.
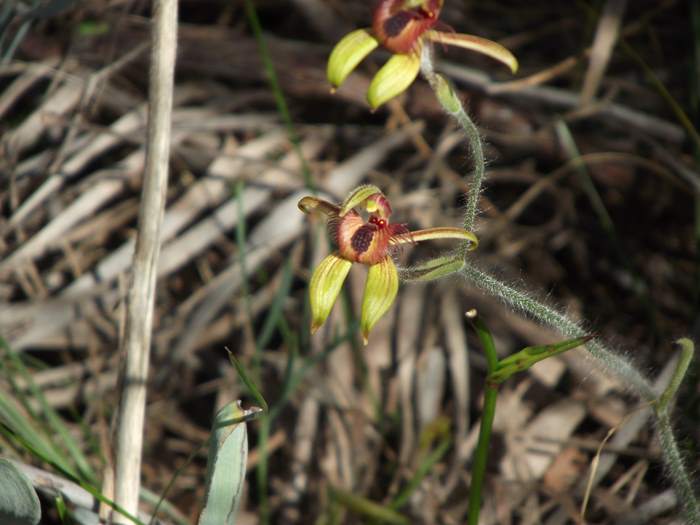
403, 27
367, 241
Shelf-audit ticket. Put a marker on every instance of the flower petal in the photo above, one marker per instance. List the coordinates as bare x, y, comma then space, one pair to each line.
325, 286
347, 53
393, 78
313, 204
380, 292
475, 43
437, 233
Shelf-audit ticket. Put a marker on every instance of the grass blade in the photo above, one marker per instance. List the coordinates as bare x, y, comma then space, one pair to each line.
249, 383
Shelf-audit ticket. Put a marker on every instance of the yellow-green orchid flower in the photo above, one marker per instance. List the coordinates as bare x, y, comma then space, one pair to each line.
367, 241
402, 27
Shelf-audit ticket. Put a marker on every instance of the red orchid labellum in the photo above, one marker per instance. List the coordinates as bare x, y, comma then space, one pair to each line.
398, 24
367, 241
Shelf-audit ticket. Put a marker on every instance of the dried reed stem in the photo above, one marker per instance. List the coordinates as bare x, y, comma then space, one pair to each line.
137, 338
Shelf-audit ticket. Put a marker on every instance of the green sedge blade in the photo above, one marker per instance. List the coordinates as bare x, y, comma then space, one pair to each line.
365, 507
252, 388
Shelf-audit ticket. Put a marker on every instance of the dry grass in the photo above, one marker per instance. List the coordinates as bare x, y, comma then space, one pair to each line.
236, 254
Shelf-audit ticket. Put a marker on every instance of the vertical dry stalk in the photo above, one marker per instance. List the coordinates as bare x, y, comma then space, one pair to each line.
603, 45
137, 337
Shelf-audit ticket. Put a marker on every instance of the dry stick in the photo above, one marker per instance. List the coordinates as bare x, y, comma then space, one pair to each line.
137, 339
605, 38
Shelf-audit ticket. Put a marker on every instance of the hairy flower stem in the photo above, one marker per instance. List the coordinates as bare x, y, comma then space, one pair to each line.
669, 446
676, 469
450, 102
616, 364
518, 300
522, 302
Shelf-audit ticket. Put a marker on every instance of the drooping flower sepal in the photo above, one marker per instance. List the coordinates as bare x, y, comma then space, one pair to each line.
380, 291
326, 283
347, 54
393, 79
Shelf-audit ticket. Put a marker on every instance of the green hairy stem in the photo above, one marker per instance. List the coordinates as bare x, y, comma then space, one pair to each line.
522, 302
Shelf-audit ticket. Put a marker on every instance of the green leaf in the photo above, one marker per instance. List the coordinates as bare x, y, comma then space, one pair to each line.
530, 355
433, 269
424, 468
19, 504
367, 508
249, 383
226, 466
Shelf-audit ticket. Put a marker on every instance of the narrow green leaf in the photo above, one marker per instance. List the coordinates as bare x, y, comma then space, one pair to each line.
423, 469
275, 311
368, 508
280, 101
530, 355
249, 383
433, 269
22, 431
19, 504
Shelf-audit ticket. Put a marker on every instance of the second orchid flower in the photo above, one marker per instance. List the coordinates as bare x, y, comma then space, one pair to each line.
403, 27
366, 241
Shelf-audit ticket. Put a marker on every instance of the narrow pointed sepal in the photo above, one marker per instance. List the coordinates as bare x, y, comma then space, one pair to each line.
347, 54
445, 232
380, 292
393, 78
475, 43
326, 282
